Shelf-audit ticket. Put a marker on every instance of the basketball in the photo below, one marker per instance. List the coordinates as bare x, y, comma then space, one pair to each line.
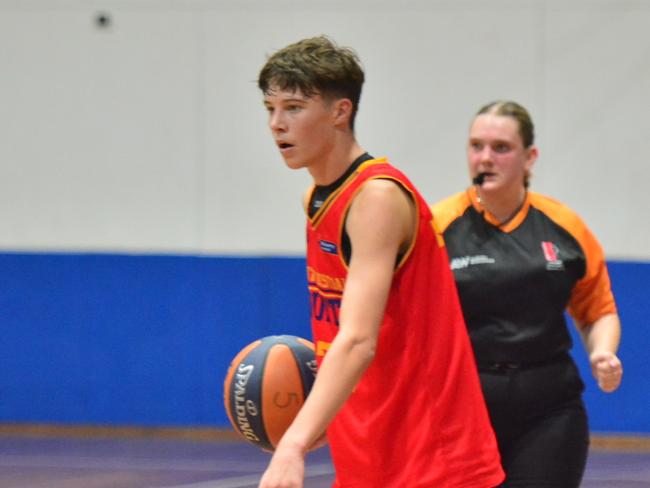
266, 384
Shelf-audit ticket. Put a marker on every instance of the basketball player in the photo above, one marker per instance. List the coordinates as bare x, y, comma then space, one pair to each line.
519, 259
397, 389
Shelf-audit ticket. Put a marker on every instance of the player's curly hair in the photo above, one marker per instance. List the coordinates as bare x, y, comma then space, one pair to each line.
315, 66
508, 108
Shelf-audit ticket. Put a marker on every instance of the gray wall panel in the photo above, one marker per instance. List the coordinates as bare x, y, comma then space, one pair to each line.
151, 136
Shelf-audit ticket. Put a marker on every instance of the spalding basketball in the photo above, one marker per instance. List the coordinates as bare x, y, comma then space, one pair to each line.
266, 385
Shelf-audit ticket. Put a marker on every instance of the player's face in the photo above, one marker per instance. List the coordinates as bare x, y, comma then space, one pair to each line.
496, 149
302, 127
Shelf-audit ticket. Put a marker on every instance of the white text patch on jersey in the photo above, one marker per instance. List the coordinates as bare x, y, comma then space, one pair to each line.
465, 261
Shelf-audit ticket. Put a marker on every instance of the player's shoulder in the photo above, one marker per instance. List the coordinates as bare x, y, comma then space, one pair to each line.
557, 211
381, 192
306, 197
449, 209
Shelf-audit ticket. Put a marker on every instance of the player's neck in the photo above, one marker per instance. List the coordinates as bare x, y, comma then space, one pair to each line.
503, 206
333, 164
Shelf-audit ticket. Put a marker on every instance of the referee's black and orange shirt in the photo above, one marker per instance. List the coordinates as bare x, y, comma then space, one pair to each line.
515, 281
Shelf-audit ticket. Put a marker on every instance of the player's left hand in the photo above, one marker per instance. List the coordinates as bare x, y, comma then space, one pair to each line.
607, 369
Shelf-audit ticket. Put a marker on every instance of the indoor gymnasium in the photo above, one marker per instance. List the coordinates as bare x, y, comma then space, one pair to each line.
153, 248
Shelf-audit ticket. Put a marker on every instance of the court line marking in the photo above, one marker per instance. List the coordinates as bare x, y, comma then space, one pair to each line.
135, 463
247, 481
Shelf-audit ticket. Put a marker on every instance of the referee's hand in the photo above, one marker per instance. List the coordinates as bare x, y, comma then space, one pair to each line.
607, 369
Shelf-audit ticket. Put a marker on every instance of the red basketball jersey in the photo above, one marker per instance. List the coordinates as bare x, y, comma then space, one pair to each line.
417, 417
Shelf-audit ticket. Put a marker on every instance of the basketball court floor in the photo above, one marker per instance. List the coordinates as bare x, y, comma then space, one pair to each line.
63, 462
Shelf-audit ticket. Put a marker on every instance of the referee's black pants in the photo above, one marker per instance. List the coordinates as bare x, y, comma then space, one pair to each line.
540, 421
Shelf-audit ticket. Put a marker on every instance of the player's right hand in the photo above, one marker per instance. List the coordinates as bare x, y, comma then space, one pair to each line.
286, 469
607, 370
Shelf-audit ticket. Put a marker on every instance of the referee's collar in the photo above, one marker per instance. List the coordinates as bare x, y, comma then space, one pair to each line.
512, 223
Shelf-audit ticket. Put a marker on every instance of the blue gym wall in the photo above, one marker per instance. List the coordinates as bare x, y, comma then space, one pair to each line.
135, 340
146, 340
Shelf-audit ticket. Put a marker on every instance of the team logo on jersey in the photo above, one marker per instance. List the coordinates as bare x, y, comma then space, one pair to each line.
328, 247
325, 296
325, 307
551, 254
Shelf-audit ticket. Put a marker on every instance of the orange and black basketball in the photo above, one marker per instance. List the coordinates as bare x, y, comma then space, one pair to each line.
266, 385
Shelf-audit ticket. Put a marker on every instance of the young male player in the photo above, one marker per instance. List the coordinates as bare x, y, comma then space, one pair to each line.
397, 390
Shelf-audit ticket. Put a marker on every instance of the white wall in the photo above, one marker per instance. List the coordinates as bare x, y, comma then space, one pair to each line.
150, 135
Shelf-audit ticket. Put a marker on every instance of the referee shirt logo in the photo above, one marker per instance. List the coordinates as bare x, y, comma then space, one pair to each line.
466, 261
551, 254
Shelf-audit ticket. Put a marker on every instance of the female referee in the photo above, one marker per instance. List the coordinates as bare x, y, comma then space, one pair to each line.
520, 259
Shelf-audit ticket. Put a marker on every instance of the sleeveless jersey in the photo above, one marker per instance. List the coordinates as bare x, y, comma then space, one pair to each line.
515, 281
417, 417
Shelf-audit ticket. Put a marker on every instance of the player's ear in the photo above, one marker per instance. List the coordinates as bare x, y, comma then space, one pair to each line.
531, 156
342, 111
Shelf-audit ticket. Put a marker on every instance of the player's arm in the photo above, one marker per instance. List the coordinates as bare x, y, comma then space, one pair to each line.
601, 339
380, 221
593, 309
